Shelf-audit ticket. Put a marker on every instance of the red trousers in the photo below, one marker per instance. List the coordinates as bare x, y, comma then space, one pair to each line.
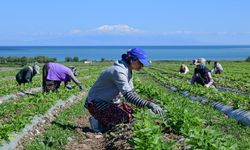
113, 115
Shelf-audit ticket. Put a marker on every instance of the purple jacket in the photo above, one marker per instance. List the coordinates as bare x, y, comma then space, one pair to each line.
59, 72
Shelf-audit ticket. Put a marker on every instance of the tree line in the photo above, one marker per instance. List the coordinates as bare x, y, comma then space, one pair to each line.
25, 60
40, 59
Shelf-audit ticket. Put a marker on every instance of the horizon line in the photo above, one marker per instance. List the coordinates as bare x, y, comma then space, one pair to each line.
115, 45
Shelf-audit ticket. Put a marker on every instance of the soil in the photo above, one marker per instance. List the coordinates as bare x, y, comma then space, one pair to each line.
85, 139
4, 69
118, 138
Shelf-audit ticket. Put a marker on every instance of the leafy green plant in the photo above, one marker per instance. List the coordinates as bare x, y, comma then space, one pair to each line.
147, 134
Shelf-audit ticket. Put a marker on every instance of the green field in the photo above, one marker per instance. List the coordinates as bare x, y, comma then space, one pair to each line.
185, 124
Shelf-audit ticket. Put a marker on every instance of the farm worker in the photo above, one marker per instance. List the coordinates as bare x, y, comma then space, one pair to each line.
193, 62
217, 68
184, 69
26, 74
103, 100
54, 74
202, 75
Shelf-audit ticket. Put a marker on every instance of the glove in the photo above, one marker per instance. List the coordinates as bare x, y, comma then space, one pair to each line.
68, 86
80, 87
206, 85
155, 108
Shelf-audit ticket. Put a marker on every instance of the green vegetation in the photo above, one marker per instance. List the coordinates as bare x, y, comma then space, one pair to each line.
60, 131
25, 60
185, 124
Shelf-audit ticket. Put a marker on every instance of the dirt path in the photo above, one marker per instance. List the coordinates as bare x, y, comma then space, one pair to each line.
19, 94
85, 139
40, 122
5, 69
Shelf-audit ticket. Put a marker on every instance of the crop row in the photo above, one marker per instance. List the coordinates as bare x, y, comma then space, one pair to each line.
10, 86
232, 71
14, 115
228, 98
202, 126
230, 86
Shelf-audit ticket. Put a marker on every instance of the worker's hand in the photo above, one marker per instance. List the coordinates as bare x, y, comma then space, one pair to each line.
68, 86
155, 108
80, 86
206, 85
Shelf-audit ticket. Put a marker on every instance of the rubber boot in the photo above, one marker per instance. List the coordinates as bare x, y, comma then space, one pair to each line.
95, 125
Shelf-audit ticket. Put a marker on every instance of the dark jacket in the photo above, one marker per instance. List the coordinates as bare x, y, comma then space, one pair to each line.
202, 76
25, 75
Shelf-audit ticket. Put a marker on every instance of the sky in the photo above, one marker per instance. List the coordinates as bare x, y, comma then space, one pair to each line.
130, 22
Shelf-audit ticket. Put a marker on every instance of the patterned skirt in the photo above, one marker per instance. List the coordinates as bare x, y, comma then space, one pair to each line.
49, 85
113, 115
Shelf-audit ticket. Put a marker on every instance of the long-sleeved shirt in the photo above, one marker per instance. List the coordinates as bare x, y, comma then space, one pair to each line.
204, 74
113, 82
25, 75
59, 72
184, 70
218, 67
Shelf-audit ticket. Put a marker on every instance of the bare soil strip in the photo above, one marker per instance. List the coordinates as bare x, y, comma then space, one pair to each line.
5, 69
19, 94
39, 123
116, 139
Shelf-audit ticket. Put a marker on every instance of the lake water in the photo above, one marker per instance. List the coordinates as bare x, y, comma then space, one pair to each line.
114, 52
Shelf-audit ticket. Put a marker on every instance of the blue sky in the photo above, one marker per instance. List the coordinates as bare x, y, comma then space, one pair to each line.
130, 22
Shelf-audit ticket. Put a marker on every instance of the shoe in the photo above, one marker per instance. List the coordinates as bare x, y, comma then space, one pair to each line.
95, 125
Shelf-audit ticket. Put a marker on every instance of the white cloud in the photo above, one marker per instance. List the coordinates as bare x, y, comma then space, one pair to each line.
107, 29
75, 31
124, 30
117, 29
